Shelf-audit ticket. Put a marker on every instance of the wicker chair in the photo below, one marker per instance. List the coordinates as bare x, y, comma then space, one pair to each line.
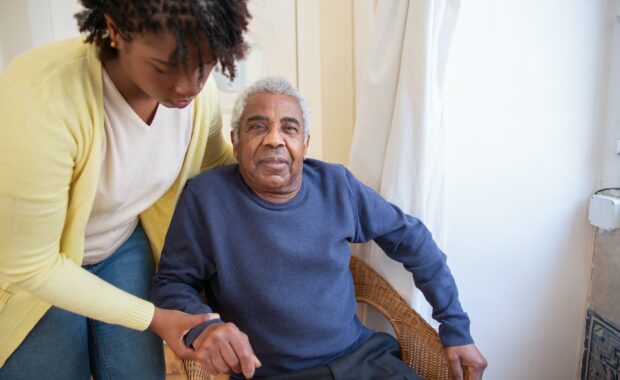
421, 348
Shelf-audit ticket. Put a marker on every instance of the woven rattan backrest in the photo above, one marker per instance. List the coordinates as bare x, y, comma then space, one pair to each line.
421, 348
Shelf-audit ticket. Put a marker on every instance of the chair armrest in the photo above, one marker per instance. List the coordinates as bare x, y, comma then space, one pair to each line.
192, 370
421, 348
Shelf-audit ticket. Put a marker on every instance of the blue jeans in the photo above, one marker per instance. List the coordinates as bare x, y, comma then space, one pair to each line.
67, 346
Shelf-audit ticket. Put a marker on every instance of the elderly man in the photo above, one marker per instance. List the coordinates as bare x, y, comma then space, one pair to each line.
268, 240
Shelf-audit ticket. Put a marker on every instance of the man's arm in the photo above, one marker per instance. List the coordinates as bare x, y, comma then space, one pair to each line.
183, 270
184, 265
406, 239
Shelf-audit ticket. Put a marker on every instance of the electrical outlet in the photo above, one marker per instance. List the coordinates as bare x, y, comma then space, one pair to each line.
604, 211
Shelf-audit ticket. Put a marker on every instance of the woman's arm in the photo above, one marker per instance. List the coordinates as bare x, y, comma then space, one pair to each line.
41, 164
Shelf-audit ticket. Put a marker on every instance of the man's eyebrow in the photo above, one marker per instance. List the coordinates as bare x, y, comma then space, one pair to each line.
257, 118
287, 119
290, 120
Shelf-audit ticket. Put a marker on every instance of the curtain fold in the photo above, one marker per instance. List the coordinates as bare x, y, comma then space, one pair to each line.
398, 140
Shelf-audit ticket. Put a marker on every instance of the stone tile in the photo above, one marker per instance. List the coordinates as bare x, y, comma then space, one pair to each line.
605, 292
601, 359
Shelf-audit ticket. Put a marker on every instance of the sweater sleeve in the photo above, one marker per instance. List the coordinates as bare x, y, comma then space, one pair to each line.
37, 167
405, 239
184, 266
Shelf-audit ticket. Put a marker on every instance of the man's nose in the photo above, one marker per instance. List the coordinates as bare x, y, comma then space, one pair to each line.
274, 137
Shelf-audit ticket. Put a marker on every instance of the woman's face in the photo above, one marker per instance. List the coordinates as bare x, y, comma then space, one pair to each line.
149, 63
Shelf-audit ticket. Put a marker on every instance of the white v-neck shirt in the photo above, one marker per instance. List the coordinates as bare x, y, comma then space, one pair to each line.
140, 163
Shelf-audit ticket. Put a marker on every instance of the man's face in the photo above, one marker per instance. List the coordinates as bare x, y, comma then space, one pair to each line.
271, 145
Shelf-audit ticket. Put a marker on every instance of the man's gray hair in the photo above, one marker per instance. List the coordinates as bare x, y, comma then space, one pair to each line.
273, 85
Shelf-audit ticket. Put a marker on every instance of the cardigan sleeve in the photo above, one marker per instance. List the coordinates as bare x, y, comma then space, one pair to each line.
218, 151
38, 170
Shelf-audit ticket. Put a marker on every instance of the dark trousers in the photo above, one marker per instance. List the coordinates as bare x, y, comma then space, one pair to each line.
377, 359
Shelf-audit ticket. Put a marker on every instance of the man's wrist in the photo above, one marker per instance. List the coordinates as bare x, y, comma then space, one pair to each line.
192, 334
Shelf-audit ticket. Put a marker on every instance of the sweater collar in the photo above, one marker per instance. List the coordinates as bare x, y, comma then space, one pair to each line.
296, 200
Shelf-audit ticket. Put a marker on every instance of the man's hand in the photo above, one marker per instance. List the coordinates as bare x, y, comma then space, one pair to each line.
223, 348
466, 356
172, 325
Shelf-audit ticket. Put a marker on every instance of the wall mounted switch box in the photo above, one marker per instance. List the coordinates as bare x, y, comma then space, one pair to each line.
604, 211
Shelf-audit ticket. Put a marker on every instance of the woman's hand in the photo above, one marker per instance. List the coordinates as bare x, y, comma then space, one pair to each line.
172, 325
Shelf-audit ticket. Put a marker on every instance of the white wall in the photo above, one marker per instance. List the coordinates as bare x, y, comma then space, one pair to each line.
611, 163
15, 35
1, 59
52, 20
27, 24
522, 114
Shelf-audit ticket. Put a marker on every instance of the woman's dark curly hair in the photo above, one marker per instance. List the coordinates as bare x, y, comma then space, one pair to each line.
221, 22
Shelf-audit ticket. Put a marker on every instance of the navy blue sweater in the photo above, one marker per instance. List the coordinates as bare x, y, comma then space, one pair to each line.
280, 271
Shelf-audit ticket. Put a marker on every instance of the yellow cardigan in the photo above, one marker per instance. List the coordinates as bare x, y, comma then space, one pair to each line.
51, 130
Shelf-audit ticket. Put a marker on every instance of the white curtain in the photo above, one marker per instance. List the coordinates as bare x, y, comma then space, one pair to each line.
398, 140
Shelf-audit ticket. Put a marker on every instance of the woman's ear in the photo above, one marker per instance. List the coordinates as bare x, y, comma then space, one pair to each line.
115, 37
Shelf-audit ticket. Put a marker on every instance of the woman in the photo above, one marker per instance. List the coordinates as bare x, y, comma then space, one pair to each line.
97, 139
